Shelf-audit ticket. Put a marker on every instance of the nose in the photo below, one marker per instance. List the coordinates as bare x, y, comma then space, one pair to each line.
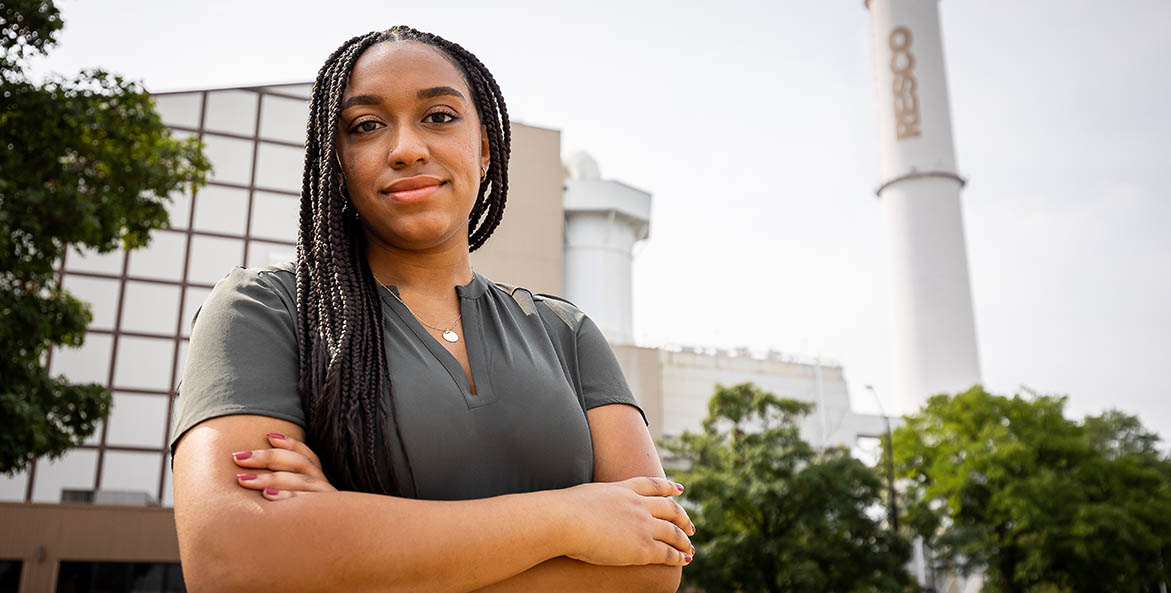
408, 148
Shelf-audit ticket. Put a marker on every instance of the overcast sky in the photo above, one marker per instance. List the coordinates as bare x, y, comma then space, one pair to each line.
753, 126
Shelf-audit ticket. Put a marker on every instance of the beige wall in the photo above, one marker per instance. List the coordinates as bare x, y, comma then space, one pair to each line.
42, 535
644, 375
527, 248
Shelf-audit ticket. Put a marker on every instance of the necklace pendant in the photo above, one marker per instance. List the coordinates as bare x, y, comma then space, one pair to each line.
450, 336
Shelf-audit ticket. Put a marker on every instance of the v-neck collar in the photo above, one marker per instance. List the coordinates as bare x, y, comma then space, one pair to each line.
472, 336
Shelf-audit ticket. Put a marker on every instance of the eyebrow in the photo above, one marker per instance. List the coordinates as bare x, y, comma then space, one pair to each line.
435, 91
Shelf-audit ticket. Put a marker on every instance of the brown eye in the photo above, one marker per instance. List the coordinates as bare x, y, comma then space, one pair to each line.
359, 128
437, 117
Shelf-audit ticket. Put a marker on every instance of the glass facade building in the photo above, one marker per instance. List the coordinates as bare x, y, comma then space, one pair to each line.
143, 300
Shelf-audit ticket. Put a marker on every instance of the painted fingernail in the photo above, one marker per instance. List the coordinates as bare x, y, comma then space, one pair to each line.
276, 435
679, 486
687, 557
271, 491
246, 476
242, 454
693, 529
693, 549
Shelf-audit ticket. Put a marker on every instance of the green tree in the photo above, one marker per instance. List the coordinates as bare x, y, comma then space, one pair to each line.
84, 162
774, 514
1040, 502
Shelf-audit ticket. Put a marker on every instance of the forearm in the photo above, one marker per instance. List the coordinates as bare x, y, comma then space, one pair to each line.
566, 575
351, 541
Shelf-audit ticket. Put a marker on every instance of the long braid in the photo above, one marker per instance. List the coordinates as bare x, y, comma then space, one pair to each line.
343, 367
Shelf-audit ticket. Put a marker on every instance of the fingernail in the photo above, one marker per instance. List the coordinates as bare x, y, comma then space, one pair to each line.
687, 557
679, 486
692, 549
242, 454
271, 491
276, 435
693, 529
246, 476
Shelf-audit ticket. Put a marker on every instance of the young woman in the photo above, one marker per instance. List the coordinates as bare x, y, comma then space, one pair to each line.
377, 416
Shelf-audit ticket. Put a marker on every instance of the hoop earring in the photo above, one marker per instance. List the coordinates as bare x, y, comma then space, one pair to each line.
483, 174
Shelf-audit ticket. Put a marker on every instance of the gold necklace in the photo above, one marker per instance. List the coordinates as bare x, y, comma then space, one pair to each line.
448, 334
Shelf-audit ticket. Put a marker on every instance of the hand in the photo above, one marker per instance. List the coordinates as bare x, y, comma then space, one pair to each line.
632, 522
294, 468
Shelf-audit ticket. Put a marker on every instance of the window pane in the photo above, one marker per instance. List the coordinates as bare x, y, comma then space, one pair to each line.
179, 209
95, 439
262, 253
221, 210
182, 360
88, 364
144, 363
12, 487
212, 258
194, 299
231, 158
130, 471
279, 167
283, 119
74, 470
232, 111
10, 576
88, 260
161, 259
150, 308
100, 293
179, 109
275, 216
137, 420
173, 579
168, 490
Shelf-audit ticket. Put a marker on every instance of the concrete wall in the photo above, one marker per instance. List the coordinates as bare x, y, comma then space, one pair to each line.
527, 248
42, 535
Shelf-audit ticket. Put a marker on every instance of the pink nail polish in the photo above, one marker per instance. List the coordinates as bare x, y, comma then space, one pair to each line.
687, 557
271, 491
276, 435
243, 454
246, 476
679, 486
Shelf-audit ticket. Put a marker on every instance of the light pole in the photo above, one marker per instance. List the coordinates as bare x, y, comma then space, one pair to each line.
888, 446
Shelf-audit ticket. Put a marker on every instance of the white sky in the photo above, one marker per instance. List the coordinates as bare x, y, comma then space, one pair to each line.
753, 125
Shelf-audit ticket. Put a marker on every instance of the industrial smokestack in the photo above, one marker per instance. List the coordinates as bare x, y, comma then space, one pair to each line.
934, 331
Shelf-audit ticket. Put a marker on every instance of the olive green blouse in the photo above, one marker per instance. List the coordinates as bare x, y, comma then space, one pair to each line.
538, 364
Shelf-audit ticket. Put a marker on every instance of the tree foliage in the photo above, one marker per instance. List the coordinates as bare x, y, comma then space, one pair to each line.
774, 514
1040, 502
84, 162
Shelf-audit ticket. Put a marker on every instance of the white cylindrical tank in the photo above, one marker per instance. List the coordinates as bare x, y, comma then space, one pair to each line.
603, 221
934, 329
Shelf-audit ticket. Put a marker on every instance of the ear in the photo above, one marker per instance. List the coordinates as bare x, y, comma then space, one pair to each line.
485, 157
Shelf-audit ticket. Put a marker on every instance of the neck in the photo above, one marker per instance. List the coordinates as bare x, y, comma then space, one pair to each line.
433, 271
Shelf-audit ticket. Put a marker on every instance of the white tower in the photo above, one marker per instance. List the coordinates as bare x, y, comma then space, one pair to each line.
934, 330
603, 220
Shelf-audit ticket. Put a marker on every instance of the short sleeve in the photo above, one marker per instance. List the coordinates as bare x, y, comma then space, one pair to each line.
602, 381
242, 358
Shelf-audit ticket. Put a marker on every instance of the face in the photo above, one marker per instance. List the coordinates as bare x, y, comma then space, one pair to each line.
411, 147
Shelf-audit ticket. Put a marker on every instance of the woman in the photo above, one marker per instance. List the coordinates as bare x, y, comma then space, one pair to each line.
493, 478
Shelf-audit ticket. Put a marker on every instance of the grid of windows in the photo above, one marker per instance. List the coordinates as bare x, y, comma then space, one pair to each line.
143, 301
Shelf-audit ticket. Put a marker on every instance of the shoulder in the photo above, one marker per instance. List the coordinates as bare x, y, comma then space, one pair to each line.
562, 308
272, 288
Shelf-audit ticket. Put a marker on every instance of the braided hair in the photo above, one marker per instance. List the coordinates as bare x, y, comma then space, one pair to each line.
343, 368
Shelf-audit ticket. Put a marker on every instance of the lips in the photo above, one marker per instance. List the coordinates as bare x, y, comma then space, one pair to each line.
413, 189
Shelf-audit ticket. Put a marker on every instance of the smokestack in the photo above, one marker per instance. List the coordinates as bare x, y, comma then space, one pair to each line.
603, 220
934, 332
